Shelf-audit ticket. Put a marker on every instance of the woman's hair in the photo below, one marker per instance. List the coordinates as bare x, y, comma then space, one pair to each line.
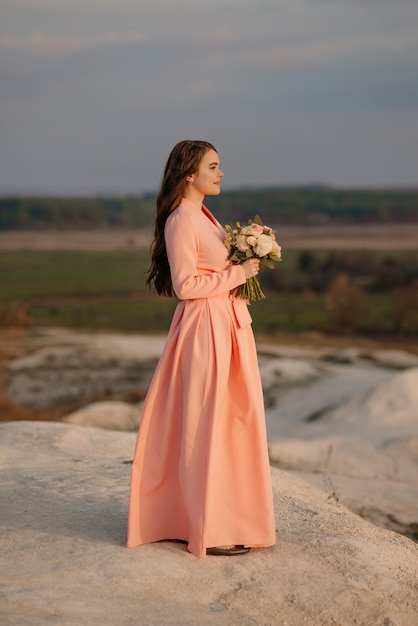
183, 161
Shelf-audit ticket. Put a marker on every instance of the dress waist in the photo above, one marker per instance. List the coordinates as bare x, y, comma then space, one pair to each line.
241, 315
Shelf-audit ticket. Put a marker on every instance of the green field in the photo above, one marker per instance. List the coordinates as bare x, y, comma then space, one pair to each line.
107, 290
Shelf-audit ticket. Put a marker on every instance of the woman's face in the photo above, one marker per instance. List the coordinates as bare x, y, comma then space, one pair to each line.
207, 179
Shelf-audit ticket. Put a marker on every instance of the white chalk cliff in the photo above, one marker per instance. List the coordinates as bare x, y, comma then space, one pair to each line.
343, 438
63, 560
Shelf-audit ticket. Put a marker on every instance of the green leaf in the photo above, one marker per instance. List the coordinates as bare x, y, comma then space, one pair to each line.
249, 254
257, 220
269, 263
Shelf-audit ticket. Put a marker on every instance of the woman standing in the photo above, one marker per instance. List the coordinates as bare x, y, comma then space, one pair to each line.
201, 472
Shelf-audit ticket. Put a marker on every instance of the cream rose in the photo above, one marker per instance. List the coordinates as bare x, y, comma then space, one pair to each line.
257, 230
276, 250
241, 243
263, 246
254, 230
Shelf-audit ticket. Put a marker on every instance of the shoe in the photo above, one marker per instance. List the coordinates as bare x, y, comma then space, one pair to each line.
230, 551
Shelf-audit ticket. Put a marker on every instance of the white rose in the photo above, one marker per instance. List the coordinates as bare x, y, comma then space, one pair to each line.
276, 250
257, 229
247, 230
264, 245
251, 241
241, 243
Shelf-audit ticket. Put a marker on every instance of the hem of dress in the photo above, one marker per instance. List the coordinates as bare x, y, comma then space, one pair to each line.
199, 554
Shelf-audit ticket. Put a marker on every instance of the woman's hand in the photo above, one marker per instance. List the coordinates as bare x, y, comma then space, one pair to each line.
251, 267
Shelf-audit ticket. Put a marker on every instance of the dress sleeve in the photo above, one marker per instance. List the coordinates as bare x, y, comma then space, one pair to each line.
182, 250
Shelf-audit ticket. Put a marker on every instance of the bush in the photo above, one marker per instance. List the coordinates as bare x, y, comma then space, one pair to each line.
345, 305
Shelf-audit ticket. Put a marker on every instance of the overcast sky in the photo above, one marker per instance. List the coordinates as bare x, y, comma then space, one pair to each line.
94, 93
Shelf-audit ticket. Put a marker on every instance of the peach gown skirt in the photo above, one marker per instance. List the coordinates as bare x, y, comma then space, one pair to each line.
201, 470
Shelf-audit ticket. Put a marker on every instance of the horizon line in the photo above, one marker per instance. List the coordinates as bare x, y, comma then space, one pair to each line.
83, 192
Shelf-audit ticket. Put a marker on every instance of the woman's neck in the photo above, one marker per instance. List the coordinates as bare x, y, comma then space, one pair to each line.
194, 197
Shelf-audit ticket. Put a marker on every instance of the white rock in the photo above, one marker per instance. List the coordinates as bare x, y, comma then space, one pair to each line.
118, 345
295, 406
388, 503
346, 355
396, 359
335, 455
111, 414
278, 372
295, 352
63, 560
391, 407
62, 374
379, 483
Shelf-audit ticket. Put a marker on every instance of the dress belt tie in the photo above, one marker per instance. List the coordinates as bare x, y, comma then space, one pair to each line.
241, 312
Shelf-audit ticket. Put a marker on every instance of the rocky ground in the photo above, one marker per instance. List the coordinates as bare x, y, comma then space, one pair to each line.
63, 560
343, 437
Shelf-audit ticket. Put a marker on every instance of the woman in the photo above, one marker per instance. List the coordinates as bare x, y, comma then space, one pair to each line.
201, 472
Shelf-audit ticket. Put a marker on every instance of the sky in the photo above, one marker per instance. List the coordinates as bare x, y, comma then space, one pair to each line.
95, 93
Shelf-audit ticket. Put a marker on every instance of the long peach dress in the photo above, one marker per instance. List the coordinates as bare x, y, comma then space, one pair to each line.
201, 470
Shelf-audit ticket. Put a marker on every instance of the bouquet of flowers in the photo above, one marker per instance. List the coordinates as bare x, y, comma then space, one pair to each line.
255, 240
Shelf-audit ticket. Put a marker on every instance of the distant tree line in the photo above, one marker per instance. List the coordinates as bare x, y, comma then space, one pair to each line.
302, 206
43, 213
317, 206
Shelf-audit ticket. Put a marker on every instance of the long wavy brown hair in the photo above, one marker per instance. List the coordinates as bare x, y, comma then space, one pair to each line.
183, 161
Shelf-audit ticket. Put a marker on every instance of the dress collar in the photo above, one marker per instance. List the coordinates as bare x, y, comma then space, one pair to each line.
204, 210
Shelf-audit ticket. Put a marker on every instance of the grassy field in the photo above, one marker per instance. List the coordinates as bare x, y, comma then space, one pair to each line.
106, 290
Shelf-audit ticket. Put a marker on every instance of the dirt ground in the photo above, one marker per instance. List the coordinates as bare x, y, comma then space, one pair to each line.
377, 237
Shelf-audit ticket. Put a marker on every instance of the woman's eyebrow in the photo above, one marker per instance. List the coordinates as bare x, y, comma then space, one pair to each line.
214, 163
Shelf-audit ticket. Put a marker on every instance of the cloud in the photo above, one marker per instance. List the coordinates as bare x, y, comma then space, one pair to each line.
328, 51
49, 46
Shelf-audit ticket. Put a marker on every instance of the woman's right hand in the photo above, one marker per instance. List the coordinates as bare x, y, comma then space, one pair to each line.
251, 267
